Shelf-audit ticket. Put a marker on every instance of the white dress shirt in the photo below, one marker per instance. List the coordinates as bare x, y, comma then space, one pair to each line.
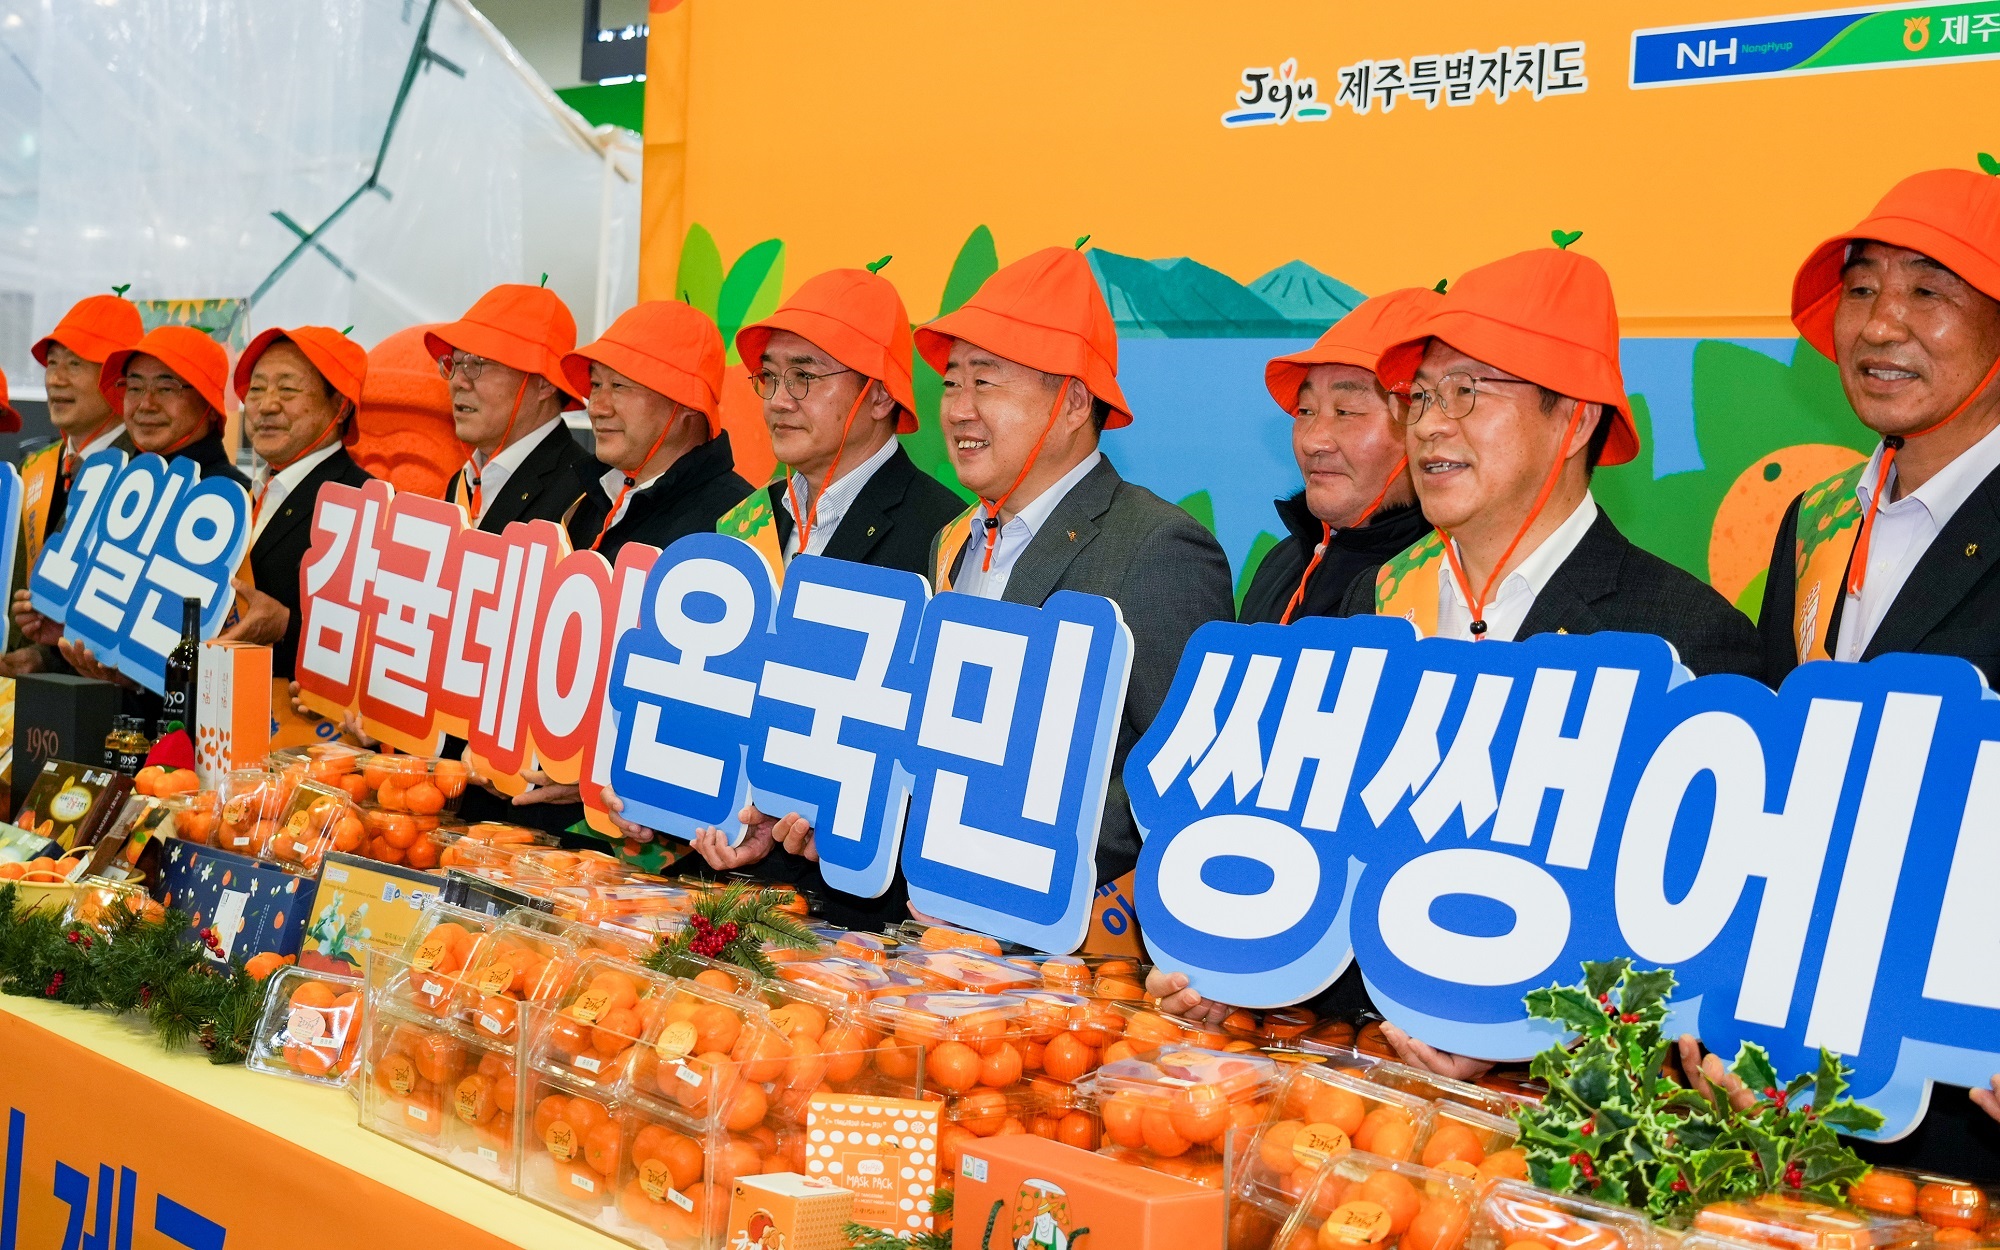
1510, 605
270, 490
1902, 533
102, 442
614, 481
833, 502
1014, 537
494, 473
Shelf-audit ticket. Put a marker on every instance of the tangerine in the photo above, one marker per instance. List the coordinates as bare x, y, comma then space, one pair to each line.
424, 799
1885, 1193
1386, 1131
1066, 1057
846, 1050
600, 1149
1507, 1164
715, 1027
1122, 1115
1079, 1129
497, 1015
1394, 1194
984, 1112
1451, 1143
1002, 1067
1440, 1224
952, 1139
1156, 1129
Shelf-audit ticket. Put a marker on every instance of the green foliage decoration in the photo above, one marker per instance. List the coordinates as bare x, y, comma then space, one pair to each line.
735, 925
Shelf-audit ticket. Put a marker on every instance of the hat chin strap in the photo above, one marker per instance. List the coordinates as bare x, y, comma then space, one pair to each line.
632, 478
1326, 539
993, 506
1857, 565
832, 474
471, 472
279, 466
1477, 606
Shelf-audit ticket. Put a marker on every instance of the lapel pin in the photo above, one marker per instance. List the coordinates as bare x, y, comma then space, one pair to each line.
1072, 535
1972, 549
871, 531
1561, 630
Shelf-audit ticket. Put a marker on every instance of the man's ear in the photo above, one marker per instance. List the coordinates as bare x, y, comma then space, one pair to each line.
1579, 441
881, 404
1077, 403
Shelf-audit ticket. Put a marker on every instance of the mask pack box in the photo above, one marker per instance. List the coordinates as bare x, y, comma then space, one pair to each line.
1036, 1192
232, 708
882, 1148
362, 903
253, 906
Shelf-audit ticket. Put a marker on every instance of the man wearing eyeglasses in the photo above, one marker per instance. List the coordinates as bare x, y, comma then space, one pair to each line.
299, 390
169, 385
1515, 399
664, 469
832, 366
503, 360
1357, 508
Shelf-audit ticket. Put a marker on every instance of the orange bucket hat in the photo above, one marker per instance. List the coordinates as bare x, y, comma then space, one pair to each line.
523, 327
665, 346
93, 328
339, 359
403, 429
1950, 215
195, 359
10, 420
1043, 311
1546, 316
1357, 339
857, 318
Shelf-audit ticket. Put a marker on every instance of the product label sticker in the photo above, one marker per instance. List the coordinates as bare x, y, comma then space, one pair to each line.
676, 1041
1315, 1142
429, 953
561, 1140
655, 1179
591, 1005
496, 978
305, 1025
400, 1073
1359, 1223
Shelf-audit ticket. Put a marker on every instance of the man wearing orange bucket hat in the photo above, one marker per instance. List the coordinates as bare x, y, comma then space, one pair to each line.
832, 366
503, 359
170, 387
1902, 551
71, 355
1357, 508
299, 390
1030, 366
1515, 398
1898, 553
664, 469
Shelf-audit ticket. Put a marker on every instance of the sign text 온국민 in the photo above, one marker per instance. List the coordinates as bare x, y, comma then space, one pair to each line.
1470, 821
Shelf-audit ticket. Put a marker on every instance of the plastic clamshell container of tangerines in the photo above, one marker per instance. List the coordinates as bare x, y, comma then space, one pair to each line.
874, 948
937, 937
1280, 1026
485, 843
610, 1013
317, 818
1943, 1202
1514, 1213
616, 898
193, 817
311, 1027
515, 966
247, 818
1066, 1035
1430, 1086
429, 978
482, 1115
418, 784
1176, 1100
1472, 1143
672, 1186
846, 980
1801, 1222
455, 1100
970, 970
95, 898
1357, 1199
716, 1059
1318, 1113
587, 939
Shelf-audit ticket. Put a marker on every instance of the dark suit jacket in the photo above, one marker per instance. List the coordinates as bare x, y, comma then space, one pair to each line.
275, 558
59, 489
1168, 577
212, 458
1609, 584
891, 522
689, 498
1949, 606
1351, 553
543, 488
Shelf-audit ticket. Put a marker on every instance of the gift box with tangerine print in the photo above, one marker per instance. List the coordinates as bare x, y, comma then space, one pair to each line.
362, 903
253, 907
232, 712
1032, 1191
786, 1211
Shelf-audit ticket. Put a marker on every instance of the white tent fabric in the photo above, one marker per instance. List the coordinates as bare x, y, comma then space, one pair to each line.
373, 163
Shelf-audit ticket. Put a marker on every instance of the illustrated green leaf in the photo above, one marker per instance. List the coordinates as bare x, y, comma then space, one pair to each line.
1988, 163
698, 282
751, 291
1200, 506
977, 261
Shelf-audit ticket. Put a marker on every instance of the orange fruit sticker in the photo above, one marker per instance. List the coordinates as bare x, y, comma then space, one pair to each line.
400, 1073
1315, 1142
592, 1004
676, 1041
561, 1141
497, 977
1362, 1223
431, 951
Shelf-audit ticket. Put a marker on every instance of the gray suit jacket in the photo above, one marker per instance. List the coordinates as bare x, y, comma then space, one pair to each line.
1168, 577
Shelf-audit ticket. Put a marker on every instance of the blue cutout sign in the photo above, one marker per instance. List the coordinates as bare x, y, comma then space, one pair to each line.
59, 569
1818, 864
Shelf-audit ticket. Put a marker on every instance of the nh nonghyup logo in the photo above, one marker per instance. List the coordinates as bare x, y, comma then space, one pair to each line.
1274, 97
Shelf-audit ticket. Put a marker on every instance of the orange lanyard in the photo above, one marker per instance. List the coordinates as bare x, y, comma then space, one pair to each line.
1326, 537
1478, 606
993, 506
832, 474
1857, 566
631, 480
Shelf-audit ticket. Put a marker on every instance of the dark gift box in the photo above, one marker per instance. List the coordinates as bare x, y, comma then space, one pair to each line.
476, 893
72, 803
253, 906
59, 716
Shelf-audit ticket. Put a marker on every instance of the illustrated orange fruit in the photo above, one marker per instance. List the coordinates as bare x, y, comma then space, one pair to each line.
474, 1100
1453, 1142
1739, 543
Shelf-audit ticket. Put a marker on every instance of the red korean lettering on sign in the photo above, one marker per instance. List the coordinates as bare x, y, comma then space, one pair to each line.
334, 578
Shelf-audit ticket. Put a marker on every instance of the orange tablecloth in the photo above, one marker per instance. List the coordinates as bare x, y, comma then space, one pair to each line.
138, 1149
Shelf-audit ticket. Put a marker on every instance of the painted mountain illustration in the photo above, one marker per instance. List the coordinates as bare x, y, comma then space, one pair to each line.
1185, 299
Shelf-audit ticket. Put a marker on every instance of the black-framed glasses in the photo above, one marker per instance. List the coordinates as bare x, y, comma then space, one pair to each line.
798, 383
162, 388
1453, 396
461, 362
